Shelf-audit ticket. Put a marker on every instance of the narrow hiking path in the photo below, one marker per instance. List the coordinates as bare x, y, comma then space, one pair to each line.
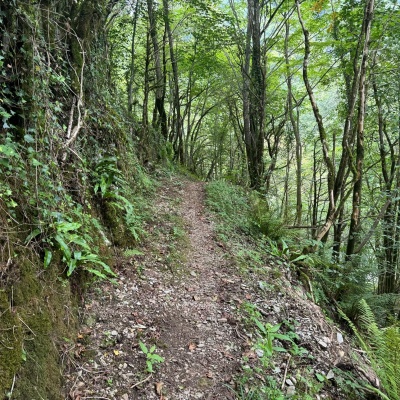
183, 293
181, 303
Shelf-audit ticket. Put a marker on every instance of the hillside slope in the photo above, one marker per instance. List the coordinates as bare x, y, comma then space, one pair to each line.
183, 296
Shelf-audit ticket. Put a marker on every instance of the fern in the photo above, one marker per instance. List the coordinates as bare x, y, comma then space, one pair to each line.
382, 347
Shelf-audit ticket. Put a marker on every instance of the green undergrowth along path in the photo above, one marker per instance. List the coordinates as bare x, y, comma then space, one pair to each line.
262, 247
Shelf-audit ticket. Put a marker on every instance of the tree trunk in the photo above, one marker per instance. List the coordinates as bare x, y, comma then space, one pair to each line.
321, 129
355, 215
254, 96
160, 78
295, 126
133, 55
176, 123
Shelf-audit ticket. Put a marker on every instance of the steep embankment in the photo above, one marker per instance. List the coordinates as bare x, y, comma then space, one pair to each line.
185, 298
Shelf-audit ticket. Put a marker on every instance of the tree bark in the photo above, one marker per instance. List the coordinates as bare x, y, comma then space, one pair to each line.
254, 95
176, 123
160, 78
357, 188
295, 128
132, 70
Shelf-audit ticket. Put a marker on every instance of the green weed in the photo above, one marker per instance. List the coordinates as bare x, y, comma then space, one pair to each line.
152, 359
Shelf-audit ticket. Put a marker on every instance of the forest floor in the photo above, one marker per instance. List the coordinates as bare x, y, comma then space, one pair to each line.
181, 294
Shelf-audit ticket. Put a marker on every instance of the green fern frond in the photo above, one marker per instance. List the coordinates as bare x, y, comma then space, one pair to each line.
382, 347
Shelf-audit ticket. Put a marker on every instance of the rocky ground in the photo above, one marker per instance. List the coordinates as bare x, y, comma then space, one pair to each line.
181, 295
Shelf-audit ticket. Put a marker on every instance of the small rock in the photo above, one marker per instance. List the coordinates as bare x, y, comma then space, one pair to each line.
330, 374
276, 309
289, 382
125, 397
322, 344
260, 353
193, 273
291, 391
339, 338
114, 333
103, 362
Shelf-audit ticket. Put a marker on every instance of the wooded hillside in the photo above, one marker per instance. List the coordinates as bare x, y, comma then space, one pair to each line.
296, 102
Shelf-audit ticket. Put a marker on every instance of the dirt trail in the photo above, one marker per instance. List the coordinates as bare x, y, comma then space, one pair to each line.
187, 311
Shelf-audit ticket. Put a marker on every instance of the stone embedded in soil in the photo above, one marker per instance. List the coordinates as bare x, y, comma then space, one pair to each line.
330, 374
322, 344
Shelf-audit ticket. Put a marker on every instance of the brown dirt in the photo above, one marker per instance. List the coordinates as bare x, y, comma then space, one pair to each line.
184, 308
185, 299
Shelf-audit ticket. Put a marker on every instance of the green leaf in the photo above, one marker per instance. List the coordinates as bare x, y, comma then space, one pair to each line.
71, 266
152, 349
149, 366
47, 258
281, 336
63, 246
279, 349
143, 347
32, 235
96, 272
261, 326
274, 329
29, 138
68, 226
320, 377
157, 358
299, 258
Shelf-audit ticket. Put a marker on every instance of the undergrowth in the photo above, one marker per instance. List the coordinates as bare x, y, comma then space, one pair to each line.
254, 234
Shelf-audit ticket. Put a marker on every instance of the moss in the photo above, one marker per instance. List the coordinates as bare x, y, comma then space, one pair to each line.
10, 343
42, 314
113, 219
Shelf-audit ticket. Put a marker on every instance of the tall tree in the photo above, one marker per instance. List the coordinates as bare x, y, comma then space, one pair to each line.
253, 73
159, 72
362, 99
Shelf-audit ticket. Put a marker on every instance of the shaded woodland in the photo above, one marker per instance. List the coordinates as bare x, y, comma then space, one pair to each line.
297, 102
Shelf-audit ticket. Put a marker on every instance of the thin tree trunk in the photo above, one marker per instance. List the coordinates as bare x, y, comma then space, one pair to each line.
321, 129
133, 56
254, 95
295, 126
176, 123
355, 215
160, 78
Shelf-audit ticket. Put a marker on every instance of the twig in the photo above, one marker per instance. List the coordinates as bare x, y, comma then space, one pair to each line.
9, 394
71, 118
4, 345
262, 312
284, 375
33, 333
143, 381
